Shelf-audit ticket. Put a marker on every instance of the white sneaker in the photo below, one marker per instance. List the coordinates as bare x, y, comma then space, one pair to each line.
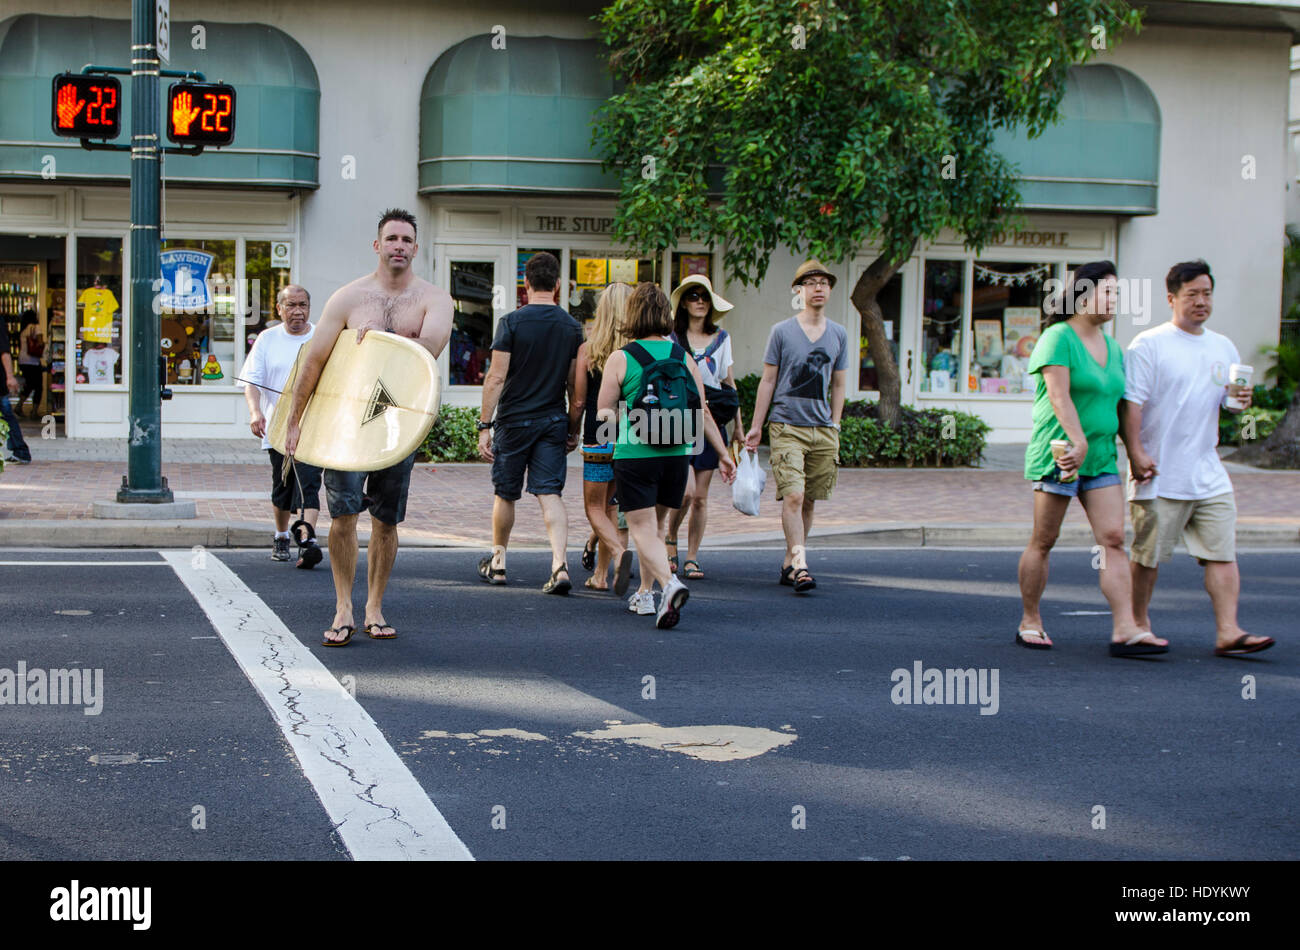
670, 602
642, 603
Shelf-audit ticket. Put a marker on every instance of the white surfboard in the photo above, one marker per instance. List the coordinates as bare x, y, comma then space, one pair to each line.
373, 406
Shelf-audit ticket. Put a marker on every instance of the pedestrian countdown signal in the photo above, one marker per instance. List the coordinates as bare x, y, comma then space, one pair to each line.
86, 106
200, 113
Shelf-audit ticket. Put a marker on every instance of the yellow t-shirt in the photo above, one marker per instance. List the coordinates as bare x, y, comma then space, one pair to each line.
97, 320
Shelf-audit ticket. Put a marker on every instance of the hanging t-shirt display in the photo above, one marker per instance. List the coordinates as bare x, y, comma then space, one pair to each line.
97, 318
99, 364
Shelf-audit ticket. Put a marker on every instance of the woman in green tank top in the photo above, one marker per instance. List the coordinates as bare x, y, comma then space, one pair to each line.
1080, 386
650, 476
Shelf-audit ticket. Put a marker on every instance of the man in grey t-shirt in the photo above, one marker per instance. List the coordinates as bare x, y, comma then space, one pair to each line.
804, 382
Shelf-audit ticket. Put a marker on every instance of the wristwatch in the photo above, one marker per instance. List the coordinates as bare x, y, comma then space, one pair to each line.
483, 425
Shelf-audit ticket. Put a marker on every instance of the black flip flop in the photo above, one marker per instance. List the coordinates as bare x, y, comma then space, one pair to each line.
1240, 647
589, 555
381, 636
1134, 648
1033, 645
623, 572
339, 643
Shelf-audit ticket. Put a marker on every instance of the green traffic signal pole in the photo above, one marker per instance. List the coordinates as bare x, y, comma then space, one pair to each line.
143, 481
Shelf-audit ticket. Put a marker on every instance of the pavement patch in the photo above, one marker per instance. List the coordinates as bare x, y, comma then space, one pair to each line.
710, 743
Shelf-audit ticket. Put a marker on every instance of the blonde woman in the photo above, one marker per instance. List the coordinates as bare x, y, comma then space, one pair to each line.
605, 335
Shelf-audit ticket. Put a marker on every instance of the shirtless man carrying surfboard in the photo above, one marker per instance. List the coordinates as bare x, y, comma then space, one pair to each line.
393, 299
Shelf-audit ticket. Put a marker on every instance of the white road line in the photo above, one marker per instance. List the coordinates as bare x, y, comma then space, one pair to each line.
84, 563
378, 807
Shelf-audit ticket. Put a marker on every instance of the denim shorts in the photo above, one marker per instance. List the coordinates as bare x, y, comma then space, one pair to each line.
536, 446
599, 472
382, 493
1052, 483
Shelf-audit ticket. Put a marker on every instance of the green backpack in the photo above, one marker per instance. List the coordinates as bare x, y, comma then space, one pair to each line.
667, 386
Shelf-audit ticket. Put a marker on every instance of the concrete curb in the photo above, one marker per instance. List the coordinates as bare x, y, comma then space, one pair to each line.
106, 533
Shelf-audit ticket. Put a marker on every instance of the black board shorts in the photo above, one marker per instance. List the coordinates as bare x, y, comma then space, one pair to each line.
646, 482
382, 493
300, 487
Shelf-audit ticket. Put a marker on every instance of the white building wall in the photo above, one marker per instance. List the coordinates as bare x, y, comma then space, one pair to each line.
1223, 97
371, 60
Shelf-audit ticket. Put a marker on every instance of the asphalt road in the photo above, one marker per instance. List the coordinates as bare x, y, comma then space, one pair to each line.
1183, 765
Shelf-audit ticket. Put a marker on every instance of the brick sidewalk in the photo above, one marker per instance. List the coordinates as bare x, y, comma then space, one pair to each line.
454, 502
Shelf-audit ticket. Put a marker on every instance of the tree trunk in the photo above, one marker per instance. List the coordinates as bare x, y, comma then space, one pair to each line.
873, 279
1282, 447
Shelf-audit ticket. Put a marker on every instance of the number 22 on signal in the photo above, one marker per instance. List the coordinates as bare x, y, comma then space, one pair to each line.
214, 114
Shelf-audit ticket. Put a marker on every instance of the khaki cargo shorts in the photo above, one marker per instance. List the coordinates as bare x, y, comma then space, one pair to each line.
805, 459
1207, 526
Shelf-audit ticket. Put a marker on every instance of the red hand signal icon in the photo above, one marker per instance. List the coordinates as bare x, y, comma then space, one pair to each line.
184, 112
68, 105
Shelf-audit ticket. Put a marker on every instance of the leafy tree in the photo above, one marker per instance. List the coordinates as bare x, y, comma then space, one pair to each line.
830, 124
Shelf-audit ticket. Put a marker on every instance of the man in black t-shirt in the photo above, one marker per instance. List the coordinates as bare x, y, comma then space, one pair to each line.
528, 387
16, 449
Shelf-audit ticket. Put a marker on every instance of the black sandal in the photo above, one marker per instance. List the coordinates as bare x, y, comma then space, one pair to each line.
493, 575
557, 586
589, 554
785, 576
802, 580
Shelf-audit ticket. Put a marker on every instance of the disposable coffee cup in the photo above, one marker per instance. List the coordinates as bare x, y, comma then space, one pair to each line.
1059, 448
1238, 375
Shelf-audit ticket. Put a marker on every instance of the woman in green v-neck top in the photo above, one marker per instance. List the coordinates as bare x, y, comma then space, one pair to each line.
1080, 373
1095, 391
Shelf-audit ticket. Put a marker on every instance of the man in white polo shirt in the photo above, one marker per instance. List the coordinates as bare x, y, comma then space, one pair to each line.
293, 487
1177, 379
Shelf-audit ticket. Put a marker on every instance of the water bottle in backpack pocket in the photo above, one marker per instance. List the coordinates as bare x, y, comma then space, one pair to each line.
667, 398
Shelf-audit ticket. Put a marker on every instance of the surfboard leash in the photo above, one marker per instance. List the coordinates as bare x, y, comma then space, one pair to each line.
280, 392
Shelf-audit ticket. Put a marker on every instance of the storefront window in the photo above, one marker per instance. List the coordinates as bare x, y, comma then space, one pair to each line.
890, 299
98, 352
264, 281
200, 311
521, 261
1007, 315
591, 271
470, 349
941, 326
686, 265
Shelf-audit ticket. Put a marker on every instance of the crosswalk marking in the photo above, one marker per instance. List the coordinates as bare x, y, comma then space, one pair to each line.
380, 811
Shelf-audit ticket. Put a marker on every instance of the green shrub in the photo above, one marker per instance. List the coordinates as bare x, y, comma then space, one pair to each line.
924, 437
1268, 408
454, 436
918, 440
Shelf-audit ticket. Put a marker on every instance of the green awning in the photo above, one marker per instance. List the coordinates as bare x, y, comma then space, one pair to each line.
514, 119
277, 121
1103, 156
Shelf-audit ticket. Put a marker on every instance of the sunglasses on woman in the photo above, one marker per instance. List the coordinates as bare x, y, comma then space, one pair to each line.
693, 295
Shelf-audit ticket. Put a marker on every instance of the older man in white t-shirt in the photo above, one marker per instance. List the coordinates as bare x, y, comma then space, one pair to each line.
1177, 379
265, 372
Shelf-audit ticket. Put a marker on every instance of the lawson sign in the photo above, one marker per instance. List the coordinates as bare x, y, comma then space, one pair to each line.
184, 284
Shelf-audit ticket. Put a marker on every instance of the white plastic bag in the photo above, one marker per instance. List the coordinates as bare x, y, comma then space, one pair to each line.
748, 486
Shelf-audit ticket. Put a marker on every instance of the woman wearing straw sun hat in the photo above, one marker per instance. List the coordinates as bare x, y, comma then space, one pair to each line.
697, 309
